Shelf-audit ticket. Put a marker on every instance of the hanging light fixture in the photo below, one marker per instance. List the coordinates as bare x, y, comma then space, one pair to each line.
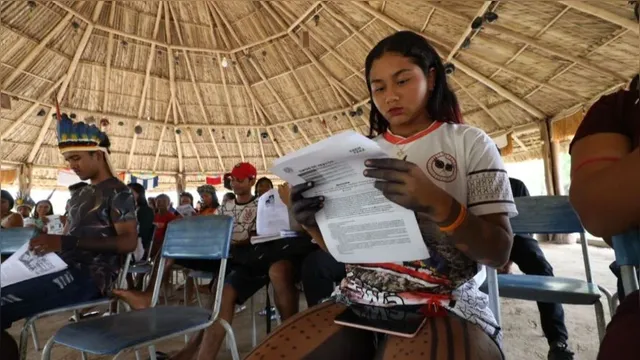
225, 62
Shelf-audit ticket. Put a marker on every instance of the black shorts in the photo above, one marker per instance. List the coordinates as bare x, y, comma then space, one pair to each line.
248, 268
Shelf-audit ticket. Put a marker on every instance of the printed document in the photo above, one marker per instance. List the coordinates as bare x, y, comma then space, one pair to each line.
273, 214
24, 265
358, 224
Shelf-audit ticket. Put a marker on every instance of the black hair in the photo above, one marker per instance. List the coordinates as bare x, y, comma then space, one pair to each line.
141, 191
265, 180
35, 208
163, 196
230, 195
7, 196
635, 84
442, 104
187, 194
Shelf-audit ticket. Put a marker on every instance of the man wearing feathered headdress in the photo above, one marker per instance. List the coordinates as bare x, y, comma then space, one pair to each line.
24, 205
101, 227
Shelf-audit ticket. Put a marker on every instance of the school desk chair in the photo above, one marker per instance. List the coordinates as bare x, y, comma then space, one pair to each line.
553, 215
201, 238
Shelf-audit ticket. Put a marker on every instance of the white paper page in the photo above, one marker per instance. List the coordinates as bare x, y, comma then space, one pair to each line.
273, 214
186, 210
24, 265
358, 224
55, 225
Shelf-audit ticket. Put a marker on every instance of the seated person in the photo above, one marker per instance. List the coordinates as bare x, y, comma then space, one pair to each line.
605, 173
24, 205
161, 219
101, 227
452, 176
209, 200
43, 209
8, 218
250, 268
263, 185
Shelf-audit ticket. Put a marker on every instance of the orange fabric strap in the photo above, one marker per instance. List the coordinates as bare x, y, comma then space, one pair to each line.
462, 215
593, 160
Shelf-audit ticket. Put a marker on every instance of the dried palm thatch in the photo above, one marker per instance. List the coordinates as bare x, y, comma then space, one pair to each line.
212, 83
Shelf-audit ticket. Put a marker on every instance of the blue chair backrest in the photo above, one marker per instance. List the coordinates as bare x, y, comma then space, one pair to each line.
198, 237
13, 238
545, 215
627, 248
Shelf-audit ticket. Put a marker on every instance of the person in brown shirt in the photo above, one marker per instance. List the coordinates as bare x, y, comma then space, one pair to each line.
605, 155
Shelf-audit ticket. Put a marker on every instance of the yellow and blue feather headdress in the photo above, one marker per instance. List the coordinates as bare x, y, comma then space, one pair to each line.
78, 136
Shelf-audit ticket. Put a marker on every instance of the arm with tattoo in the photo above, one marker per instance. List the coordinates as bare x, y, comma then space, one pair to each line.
486, 239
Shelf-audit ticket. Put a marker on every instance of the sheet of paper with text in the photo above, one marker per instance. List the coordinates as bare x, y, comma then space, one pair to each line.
358, 224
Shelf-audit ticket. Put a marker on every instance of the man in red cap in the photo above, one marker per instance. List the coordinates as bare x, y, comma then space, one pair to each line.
251, 266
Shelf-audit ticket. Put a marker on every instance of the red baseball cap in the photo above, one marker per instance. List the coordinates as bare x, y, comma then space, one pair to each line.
244, 170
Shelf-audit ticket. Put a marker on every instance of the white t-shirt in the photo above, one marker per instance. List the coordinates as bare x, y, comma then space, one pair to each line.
463, 161
244, 219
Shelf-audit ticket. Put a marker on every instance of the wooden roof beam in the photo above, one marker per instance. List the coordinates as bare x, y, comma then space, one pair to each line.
190, 138
172, 86
203, 111
107, 73
65, 83
478, 102
468, 30
463, 67
596, 11
164, 129
30, 110
145, 85
256, 131
325, 72
554, 51
36, 51
235, 132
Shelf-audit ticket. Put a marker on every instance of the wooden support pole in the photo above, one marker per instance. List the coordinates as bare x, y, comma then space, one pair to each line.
65, 84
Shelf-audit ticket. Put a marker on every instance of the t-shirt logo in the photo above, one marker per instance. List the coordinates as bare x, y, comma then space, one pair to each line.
442, 167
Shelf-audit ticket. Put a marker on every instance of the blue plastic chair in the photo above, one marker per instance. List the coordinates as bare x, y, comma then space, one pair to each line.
627, 250
551, 215
202, 237
12, 239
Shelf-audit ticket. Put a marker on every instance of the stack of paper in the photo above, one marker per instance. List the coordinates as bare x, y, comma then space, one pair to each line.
24, 265
266, 238
358, 224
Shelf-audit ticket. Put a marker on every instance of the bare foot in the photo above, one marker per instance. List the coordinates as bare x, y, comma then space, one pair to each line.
190, 350
138, 300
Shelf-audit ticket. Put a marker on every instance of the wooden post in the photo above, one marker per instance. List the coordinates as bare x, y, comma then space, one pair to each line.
181, 182
550, 157
25, 179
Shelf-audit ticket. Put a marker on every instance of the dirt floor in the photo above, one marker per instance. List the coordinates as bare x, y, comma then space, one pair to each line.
523, 335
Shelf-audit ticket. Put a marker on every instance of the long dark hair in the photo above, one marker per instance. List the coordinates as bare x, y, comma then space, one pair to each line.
141, 191
35, 208
442, 104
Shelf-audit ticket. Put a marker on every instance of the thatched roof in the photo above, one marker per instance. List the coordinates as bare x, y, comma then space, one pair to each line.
249, 80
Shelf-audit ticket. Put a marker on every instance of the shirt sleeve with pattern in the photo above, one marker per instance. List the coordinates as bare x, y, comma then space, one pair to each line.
488, 189
123, 207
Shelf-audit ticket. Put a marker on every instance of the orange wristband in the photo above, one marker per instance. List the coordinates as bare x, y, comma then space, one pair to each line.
456, 224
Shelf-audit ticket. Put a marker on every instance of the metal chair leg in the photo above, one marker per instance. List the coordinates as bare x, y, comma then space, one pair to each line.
231, 339
615, 299
34, 335
196, 286
254, 334
607, 294
46, 352
152, 352
600, 321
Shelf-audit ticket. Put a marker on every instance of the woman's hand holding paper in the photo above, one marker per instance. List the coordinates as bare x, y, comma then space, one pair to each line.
304, 209
407, 185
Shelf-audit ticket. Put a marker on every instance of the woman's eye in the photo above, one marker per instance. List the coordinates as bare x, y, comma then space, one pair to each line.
400, 82
378, 89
